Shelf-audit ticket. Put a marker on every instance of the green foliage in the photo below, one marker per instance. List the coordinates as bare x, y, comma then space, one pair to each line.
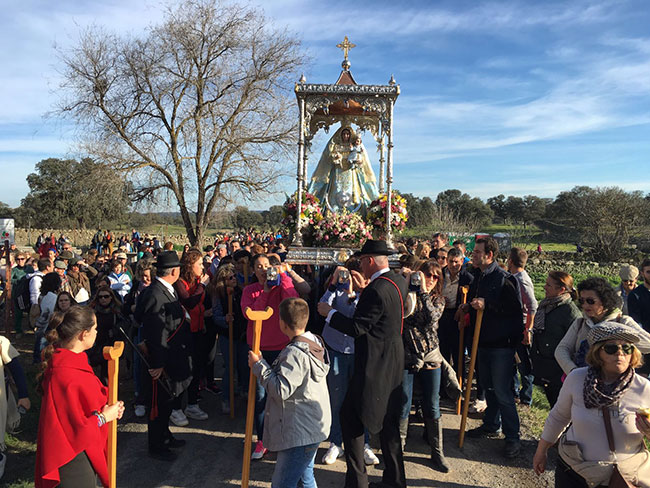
243, 218
6, 212
472, 210
69, 192
604, 217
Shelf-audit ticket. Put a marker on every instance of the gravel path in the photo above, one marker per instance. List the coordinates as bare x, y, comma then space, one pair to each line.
213, 457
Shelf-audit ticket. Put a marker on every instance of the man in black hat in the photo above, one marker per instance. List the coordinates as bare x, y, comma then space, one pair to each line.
374, 394
166, 332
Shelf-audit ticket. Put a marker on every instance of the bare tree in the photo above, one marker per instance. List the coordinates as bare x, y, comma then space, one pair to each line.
198, 107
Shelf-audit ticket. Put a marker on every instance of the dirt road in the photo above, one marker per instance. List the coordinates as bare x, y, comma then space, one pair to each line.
213, 458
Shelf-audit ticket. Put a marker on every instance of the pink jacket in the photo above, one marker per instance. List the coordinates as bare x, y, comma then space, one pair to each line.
254, 297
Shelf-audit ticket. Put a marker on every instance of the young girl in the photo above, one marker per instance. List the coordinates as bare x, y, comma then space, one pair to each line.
72, 432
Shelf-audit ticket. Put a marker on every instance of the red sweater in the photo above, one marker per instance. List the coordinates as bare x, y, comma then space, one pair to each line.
192, 296
254, 297
67, 426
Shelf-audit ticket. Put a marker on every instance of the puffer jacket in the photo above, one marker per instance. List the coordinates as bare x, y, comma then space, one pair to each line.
297, 406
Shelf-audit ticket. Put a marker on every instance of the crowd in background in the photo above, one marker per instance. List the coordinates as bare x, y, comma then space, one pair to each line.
523, 342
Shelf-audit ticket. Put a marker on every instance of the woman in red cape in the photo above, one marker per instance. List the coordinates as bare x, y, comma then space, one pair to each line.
72, 431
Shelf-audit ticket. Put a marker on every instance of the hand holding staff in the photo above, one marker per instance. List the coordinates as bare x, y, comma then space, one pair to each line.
230, 354
258, 316
461, 348
470, 376
112, 355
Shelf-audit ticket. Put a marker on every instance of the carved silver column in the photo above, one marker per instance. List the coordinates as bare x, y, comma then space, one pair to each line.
305, 157
382, 161
297, 238
389, 175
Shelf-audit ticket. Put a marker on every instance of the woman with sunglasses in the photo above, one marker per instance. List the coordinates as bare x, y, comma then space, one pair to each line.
108, 310
608, 391
422, 356
555, 314
599, 303
218, 292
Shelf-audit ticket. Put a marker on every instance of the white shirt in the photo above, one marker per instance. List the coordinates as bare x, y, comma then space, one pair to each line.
169, 287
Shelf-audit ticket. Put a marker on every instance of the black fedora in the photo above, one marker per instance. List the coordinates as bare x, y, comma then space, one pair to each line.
167, 259
373, 247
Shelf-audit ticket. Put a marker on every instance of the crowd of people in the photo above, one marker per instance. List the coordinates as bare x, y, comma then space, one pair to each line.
340, 356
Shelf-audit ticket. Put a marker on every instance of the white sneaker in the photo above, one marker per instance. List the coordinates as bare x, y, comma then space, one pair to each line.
369, 456
194, 412
333, 453
140, 411
478, 406
179, 418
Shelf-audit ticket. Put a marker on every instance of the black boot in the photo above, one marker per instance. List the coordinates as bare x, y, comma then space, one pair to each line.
433, 429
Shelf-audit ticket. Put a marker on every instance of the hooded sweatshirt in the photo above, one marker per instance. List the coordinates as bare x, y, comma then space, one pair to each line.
297, 409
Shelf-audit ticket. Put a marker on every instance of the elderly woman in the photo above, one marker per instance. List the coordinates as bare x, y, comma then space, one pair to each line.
599, 303
607, 392
555, 314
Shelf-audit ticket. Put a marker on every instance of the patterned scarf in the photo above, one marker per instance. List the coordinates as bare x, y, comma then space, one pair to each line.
598, 394
546, 306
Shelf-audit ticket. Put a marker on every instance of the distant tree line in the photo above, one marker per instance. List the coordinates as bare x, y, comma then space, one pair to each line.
67, 193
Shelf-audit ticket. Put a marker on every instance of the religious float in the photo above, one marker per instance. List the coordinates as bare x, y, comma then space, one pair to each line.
343, 204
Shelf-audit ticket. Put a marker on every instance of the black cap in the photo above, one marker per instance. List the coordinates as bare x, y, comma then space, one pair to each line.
374, 247
167, 259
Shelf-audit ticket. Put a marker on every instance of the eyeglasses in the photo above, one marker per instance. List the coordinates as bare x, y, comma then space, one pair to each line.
590, 301
101, 297
614, 348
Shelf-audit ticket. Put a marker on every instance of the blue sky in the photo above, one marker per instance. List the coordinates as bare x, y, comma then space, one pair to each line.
496, 97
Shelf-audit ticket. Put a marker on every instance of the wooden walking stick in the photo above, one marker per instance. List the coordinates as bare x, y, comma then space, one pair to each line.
231, 375
257, 316
461, 349
470, 376
112, 355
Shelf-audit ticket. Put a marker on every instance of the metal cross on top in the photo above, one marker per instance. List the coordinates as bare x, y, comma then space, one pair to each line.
345, 46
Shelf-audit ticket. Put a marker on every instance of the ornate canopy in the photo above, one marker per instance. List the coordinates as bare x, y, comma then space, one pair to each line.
369, 107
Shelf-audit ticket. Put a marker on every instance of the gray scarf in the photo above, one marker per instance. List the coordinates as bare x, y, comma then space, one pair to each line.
546, 306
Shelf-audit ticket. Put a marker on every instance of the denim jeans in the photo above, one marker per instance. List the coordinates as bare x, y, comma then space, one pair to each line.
260, 396
430, 381
240, 364
338, 378
496, 376
524, 388
294, 465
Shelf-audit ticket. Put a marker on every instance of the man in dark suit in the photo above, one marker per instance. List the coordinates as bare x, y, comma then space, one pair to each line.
374, 394
166, 332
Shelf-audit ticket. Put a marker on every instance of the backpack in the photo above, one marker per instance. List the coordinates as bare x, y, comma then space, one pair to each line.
21, 293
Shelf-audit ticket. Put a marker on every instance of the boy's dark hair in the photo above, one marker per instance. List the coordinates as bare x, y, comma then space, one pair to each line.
489, 244
295, 313
454, 253
518, 257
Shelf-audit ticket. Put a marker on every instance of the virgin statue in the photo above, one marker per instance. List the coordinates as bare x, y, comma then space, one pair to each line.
344, 177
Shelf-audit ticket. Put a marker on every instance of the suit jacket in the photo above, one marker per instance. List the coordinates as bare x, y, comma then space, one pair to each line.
376, 327
166, 331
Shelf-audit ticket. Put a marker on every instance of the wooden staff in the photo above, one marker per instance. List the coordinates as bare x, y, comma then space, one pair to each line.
461, 346
470, 376
230, 354
112, 355
257, 316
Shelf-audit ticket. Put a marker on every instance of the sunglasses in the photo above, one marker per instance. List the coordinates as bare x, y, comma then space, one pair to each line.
20, 259
432, 276
103, 296
589, 301
614, 348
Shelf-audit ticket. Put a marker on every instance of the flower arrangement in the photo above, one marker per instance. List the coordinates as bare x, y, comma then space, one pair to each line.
341, 229
377, 212
311, 213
